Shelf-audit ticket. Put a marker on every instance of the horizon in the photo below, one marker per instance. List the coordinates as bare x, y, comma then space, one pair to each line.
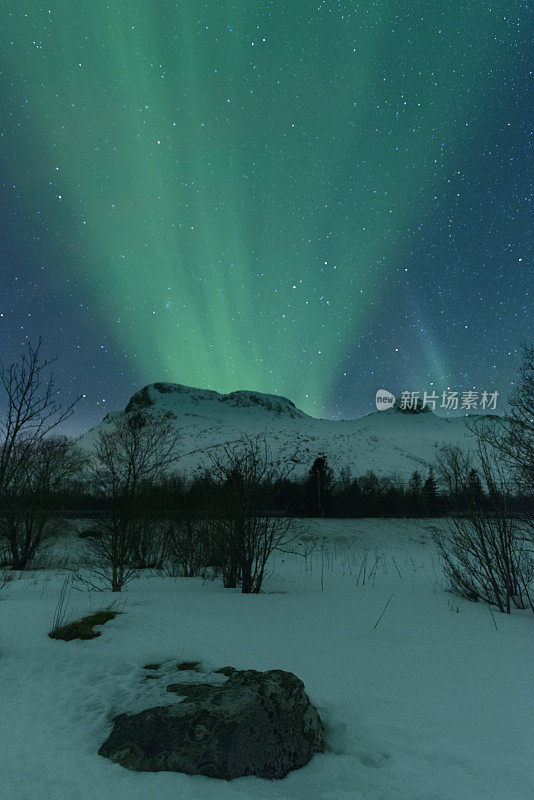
316, 205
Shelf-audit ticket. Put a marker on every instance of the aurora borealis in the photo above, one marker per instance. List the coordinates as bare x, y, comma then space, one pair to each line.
310, 199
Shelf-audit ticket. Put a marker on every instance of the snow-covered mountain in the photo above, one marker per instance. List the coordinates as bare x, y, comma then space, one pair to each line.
387, 442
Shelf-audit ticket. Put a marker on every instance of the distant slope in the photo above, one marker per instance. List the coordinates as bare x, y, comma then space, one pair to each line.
386, 442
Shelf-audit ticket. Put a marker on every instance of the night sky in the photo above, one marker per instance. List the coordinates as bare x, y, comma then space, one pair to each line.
311, 199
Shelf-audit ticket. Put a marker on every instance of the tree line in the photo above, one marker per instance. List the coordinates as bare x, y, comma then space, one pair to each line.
318, 493
140, 513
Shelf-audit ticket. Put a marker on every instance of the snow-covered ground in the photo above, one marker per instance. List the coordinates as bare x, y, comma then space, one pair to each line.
434, 703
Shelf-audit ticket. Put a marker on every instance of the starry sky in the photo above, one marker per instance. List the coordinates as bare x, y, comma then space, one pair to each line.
314, 199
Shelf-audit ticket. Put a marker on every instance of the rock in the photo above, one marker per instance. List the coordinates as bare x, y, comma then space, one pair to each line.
256, 723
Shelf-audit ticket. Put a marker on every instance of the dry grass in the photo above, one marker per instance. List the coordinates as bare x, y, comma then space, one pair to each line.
83, 628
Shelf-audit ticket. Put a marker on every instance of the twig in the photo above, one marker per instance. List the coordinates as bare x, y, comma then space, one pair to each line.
383, 612
493, 617
396, 567
61, 607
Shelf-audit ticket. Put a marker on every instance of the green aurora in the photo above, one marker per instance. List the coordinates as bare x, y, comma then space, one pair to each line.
236, 184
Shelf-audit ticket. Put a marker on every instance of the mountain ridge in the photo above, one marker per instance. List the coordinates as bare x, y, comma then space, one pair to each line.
145, 398
387, 442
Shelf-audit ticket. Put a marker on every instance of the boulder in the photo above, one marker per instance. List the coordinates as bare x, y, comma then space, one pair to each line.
256, 723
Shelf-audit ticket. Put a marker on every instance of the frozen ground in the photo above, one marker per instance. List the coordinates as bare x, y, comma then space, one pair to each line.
432, 704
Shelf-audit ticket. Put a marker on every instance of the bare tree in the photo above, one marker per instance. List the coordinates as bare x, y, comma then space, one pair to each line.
243, 530
453, 465
40, 470
31, 464
187, 547
511, 438
517, 444
129, 460
483, 550
30, 408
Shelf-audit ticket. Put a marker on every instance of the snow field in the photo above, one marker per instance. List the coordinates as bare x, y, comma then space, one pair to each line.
433, 703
